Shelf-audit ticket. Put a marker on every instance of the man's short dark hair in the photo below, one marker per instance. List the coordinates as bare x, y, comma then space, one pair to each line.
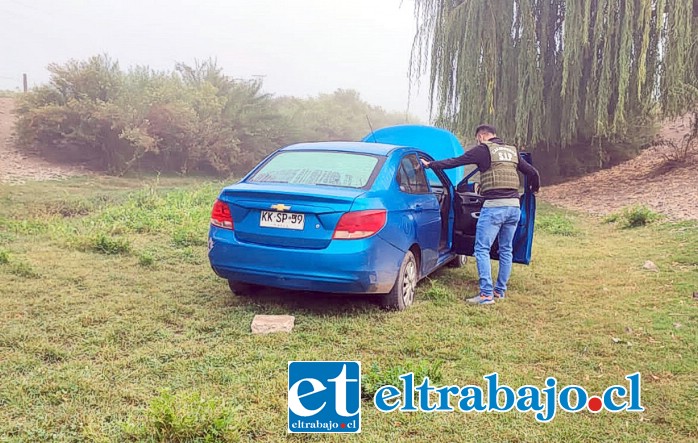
486, 128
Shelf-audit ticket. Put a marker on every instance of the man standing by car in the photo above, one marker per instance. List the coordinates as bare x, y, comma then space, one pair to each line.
499, 185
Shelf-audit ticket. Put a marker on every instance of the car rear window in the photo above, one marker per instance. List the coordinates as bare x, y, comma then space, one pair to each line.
319, 168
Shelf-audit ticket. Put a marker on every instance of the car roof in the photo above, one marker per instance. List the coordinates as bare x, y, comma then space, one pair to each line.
358, 147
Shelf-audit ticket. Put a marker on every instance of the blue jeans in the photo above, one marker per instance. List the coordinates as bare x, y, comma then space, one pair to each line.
495, 223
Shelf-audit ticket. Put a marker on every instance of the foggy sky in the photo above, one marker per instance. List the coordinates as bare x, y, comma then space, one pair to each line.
300, 47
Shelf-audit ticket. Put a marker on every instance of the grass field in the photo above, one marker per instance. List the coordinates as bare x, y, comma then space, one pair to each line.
114, 328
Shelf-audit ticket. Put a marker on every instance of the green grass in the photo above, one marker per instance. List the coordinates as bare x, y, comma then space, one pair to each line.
375, 376
556, 223
23, 269
437, 293
149, 345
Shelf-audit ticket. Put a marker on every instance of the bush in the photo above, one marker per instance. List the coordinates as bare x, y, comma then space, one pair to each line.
69, 208
23, 269
105, 244
184, 418
682, 152
639, 216
192, 119
633, 217
146, 259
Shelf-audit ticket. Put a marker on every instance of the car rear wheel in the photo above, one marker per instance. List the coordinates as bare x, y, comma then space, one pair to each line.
402, 295
242, 289
458, 262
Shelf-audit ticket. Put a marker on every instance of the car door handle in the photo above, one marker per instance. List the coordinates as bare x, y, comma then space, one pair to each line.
418, 208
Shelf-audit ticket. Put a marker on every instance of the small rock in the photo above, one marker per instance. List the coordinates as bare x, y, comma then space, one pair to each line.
677, 325
650, 266
695, 296
267, 324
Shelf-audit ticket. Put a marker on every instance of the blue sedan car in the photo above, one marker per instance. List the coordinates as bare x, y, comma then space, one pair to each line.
352, 217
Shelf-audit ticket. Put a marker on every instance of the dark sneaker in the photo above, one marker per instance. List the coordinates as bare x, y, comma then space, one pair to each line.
481, 299
498, 295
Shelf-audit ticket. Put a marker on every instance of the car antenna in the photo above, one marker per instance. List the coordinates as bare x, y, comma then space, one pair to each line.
371, 127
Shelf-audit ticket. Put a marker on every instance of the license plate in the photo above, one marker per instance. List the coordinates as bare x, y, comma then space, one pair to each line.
282, 220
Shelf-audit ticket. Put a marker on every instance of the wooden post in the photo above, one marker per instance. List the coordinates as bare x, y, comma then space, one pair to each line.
24, 81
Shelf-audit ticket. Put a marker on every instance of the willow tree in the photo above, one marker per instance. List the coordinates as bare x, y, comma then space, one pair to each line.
555, 73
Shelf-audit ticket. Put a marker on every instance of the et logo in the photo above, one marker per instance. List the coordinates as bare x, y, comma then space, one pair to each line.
324, 397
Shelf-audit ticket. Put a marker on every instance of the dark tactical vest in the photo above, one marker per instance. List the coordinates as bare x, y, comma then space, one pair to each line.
503, 170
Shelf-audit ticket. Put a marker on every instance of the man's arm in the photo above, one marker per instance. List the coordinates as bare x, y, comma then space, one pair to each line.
471, 157
531, 174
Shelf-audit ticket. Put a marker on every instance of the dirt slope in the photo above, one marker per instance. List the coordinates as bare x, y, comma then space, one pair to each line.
673, 193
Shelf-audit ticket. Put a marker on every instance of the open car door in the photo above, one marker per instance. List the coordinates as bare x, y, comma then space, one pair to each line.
467, 208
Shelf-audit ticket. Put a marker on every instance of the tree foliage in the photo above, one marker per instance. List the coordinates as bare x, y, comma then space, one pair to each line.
560, 75
194, 118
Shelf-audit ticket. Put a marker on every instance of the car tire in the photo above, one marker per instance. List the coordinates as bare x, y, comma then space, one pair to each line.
401, 296
242, 289
458, 262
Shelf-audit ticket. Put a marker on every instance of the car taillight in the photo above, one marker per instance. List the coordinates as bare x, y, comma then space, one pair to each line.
360, 224
221, 216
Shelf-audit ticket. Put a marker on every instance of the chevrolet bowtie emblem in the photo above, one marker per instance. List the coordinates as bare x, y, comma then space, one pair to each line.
281, 207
